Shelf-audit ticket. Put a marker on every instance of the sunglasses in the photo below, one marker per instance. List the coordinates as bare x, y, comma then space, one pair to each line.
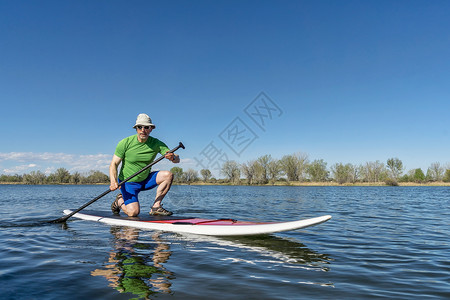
140, 127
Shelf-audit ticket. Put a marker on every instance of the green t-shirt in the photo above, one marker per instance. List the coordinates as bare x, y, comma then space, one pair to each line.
135, 156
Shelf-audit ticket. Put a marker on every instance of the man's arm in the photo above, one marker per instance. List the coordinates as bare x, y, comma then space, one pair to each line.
113, 172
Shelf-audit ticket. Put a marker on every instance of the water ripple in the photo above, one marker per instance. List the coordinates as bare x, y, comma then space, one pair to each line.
381, 243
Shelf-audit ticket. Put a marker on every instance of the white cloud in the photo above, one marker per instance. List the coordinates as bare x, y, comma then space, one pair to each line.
24, 162
19, 169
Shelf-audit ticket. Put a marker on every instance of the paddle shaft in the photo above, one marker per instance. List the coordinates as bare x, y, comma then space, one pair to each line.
64, 218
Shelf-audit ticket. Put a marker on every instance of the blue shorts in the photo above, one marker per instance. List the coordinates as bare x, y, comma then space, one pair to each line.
130, 190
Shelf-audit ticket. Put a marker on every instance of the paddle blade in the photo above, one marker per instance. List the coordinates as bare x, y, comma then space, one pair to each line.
60, 220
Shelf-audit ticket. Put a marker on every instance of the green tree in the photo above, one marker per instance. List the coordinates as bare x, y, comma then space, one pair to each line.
274, 170
249, 170
419, 176
289, 166
435, 172
317, 170
96, 177
294, 166
190, 176
34, 177
177, 174
374, 171
357, 173
264, 162
206, 174
76, 178
429, 176
342, 173
405, 178
395, 167
231, 171
61, 175
260, 174
446, 176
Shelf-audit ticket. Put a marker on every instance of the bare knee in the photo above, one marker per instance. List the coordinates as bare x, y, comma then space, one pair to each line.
166, 176
132, 210
132, 213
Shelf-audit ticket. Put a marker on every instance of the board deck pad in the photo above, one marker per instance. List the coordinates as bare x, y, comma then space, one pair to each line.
183, 224
141, 217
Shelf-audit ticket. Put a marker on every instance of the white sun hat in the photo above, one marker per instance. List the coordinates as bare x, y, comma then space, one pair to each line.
143, 119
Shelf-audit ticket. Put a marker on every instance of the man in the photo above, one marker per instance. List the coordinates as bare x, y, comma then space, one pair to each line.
135, 152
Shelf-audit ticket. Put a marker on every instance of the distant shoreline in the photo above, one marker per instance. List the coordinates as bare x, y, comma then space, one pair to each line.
295, 183
324, 184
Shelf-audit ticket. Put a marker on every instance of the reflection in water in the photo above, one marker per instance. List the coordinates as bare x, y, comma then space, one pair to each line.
290, 251
138, 266
286, 250
131, 270
263, 251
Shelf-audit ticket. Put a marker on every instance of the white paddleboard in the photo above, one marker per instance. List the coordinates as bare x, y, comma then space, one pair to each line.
216, 227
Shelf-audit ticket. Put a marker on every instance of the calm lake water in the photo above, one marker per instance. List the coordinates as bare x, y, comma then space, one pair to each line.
382, 242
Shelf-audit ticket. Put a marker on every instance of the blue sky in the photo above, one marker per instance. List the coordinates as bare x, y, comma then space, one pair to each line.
343, 81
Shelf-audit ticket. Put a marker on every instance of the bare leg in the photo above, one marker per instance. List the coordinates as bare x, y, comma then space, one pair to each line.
164, 181
132, 209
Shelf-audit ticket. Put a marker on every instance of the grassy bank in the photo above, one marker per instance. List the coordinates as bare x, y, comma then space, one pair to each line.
298, 183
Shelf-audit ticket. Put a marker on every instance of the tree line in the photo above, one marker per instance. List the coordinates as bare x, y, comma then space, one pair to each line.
266, 170
60, 176
298, 168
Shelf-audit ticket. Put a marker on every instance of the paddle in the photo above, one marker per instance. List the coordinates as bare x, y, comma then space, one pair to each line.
64, 218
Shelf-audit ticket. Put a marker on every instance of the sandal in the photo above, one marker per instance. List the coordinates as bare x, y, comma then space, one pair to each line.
160, 211
115, 207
